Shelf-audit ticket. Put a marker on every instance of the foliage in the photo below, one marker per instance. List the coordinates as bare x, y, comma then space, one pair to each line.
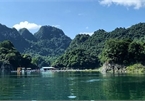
77, 59
115, 51
40, 61
123, 52
122, 46
94, 44
136, 52
136, 68
9, 55
27, 35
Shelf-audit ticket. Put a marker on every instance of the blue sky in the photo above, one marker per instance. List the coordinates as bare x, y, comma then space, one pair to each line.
72, 16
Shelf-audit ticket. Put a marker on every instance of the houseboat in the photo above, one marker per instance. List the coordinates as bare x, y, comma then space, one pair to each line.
43, 69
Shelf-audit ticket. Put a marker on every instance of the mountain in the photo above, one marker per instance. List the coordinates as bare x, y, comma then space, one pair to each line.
14, 36
51, 41
95, 43
45, 45
54, 40
27, 35
48, 32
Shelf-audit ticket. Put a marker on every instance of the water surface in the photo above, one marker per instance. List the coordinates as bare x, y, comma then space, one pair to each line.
72, 86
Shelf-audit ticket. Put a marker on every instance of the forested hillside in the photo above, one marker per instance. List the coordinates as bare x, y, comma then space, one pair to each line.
52, 41
11, 59
27, 35
93, 45
14, 36
45, 45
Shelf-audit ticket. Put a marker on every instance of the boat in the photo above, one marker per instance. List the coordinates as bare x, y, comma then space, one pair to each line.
44, 69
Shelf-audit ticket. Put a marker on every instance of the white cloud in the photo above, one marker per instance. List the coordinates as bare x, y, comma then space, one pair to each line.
135, 3
27, 25
89, 33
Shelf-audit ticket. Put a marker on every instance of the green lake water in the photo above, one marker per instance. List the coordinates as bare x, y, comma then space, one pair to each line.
72, 86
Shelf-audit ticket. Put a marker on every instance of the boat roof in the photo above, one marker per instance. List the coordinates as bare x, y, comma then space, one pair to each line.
47, 67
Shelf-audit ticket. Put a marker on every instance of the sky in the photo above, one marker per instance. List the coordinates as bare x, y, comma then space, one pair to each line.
72, 16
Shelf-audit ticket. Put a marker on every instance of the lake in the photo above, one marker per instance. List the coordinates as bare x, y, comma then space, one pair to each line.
72, 86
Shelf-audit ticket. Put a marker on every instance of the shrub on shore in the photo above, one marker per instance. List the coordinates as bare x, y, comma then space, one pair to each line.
136, 68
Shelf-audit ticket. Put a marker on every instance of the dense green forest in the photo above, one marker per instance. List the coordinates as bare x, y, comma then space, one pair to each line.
77, 59
11, 59
95, 43
123, 52
50, 46
123, 46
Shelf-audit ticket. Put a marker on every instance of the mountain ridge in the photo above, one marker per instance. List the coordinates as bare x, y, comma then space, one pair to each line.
51, 42
48, 42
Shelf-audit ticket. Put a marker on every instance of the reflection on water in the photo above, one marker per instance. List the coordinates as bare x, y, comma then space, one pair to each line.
48, 74
71, 86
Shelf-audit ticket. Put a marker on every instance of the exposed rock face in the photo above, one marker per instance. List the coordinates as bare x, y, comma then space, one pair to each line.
113, 67
106, 67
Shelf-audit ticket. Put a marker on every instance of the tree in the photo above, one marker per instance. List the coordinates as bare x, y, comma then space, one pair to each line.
136, 52
115, 51
77, 59
26, 60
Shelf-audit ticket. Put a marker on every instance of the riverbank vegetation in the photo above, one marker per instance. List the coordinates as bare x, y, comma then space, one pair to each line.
128, 53
136, 68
